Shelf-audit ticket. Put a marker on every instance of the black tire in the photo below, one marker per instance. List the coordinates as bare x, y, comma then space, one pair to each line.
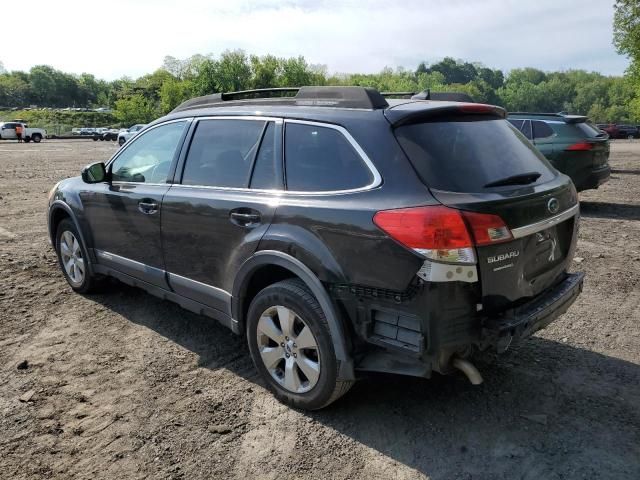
121, 141
294, 295
27, 139
90, 281
36, 137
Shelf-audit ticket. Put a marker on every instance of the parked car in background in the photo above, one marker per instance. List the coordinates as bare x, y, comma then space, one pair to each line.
336, 231
111, 134
620, 131
129, 133
87, 131
628, 131
75, 131
8, 132
98, 133
572, 145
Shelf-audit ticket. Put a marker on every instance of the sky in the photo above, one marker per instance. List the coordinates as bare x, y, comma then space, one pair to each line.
132, 37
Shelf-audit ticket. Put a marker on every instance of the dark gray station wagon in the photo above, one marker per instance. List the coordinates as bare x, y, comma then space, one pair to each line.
339, 231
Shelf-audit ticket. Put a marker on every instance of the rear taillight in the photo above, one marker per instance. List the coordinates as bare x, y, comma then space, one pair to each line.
442, 233
579, 147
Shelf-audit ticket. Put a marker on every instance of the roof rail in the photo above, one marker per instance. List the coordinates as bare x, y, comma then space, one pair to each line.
342, 97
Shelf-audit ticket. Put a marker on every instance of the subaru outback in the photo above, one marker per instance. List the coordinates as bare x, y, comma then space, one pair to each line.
338, 231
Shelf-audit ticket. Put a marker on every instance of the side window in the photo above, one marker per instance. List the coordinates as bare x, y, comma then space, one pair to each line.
221, 153
321, 159
265, 169
148, 157
541, 129
516, 123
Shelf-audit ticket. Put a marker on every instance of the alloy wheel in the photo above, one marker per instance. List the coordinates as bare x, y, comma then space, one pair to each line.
72, 259
288, 349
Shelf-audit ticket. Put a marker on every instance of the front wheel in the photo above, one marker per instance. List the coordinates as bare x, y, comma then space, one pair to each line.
291, 346
73, 258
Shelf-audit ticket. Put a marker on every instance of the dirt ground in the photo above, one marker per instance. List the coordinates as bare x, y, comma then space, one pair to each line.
123, 385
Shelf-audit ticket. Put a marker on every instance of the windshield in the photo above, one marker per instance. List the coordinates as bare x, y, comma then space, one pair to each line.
464, 154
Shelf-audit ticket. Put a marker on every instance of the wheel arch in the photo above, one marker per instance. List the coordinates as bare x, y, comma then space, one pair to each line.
59, 211
286, 266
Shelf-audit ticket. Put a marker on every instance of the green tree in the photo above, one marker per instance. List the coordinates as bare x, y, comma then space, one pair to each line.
135, 109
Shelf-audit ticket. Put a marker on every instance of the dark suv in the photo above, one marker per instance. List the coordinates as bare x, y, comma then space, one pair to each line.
572, 145
340, 232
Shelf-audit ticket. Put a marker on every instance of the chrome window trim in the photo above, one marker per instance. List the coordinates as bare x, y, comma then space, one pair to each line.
376, 182
544, 224
140, 135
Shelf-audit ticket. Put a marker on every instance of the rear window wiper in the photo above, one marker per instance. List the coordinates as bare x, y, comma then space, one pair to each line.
520, 179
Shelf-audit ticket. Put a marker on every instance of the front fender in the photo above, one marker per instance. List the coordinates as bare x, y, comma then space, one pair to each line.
281, 259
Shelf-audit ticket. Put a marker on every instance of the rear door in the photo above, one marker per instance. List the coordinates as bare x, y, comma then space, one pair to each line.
213, 219
464, 160
543, 139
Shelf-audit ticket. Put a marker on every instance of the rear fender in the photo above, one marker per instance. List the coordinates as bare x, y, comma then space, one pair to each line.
339, 335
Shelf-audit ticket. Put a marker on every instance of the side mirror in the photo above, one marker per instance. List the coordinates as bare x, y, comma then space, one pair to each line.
94, 173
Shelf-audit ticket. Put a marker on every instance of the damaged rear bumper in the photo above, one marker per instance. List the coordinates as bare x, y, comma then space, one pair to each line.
523, 321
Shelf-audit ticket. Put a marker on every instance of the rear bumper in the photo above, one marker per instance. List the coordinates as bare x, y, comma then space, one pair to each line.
527, 319
595, 178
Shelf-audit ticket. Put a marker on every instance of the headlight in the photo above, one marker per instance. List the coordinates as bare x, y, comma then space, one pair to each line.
52, 192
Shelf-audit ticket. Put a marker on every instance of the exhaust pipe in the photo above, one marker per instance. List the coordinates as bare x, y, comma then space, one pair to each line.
468, 369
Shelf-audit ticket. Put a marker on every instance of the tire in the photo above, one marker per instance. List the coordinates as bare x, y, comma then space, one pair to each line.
67, 249
304, 378
121, 141
95, 139
27, 139
36, 137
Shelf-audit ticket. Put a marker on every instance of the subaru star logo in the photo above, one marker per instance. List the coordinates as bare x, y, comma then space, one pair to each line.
553, 205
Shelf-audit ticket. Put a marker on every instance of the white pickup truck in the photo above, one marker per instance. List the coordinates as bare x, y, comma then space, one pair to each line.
8, 132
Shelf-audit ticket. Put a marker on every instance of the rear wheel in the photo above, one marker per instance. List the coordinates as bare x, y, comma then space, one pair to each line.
73, 258
291, 346
36, 137
27, 139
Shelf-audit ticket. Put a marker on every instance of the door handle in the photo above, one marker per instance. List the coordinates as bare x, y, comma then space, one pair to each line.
148, 208
244, 219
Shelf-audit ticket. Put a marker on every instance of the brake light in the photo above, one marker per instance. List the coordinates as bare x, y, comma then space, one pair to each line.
477, 108
579, 147
442, 233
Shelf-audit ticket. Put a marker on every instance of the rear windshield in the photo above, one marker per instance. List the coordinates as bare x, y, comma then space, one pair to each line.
589, 130
463, 154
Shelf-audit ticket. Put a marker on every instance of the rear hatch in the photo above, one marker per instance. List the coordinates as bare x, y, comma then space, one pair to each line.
593, 140
476, 161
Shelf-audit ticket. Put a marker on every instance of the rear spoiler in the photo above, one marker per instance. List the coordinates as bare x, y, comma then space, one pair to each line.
429, 95
399, 116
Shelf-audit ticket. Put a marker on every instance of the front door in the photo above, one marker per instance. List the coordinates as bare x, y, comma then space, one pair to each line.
213, 220
8, 131
124, 214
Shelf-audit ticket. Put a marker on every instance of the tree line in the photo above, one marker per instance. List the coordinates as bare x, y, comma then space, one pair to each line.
603, 98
